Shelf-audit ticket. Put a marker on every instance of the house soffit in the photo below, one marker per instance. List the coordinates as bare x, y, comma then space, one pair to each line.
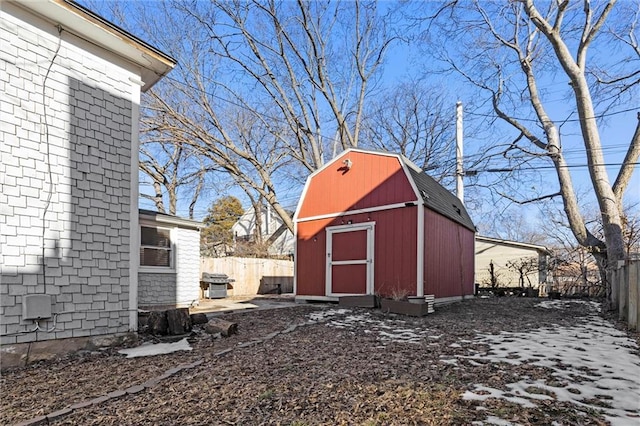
509, 243
91, 27
165, 219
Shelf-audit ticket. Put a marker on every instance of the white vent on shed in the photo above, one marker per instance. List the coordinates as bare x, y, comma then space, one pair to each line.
36, 306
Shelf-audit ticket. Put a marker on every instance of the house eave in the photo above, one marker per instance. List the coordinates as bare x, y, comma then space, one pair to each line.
518, 244
77, 20
163, 218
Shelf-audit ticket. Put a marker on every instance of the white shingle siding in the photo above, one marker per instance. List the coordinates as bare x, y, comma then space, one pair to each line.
181, 287
156, 289
86, 227
188, 265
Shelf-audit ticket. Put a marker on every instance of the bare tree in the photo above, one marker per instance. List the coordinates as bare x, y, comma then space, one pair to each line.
510, 225
168, 168
418, 122
524, 266
264, 85
513, 51
494, 276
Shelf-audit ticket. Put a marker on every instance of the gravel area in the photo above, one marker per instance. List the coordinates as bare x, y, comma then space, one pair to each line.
321, 364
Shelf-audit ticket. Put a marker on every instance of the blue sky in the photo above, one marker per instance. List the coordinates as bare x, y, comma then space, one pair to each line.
404, 63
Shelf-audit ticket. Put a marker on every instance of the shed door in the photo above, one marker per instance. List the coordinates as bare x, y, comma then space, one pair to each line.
350, 259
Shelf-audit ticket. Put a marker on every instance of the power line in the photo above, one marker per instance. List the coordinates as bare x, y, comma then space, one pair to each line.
612, 149
606, 114
513, 169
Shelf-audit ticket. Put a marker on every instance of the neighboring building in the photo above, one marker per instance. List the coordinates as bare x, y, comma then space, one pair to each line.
69, 234
374, 223
279, 240
514, 264
169, 274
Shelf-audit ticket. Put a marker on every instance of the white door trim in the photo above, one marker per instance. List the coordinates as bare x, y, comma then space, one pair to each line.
369, 261
420, 252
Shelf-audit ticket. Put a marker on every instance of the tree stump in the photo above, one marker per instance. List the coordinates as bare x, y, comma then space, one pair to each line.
223, 327
157, 322
199, 319
178, 321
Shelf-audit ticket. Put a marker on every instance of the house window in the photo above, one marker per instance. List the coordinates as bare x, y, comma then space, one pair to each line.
155, 247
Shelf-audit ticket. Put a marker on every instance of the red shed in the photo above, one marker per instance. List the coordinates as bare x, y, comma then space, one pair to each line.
374, 223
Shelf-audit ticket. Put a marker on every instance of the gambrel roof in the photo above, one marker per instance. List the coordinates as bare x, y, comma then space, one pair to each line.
437, 198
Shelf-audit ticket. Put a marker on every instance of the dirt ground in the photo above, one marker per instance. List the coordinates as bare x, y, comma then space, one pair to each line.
319, 364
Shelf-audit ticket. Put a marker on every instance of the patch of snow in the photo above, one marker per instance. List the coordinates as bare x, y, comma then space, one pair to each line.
406, 336
156, 349
452, 361
482, 393
385, 329
583, 355
492, 420
320, 316
563, 304
553, 304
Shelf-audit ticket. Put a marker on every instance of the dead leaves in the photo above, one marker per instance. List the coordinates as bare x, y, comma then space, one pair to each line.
313, 375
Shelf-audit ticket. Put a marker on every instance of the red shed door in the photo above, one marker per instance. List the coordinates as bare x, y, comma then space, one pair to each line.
350, 259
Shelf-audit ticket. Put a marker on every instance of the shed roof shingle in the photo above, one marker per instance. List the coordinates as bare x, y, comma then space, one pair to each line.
437, 198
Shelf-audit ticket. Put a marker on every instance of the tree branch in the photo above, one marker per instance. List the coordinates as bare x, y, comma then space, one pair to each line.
628, 164
532, 200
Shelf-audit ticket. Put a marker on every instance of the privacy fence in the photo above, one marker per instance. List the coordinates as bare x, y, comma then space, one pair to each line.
625, 285
252, 275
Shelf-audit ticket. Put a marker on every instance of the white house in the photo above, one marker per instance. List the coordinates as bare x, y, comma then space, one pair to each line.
69, 230
279, 238
512, 263
169, 274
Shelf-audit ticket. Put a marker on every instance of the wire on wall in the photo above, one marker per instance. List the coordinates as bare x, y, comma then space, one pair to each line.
48, 159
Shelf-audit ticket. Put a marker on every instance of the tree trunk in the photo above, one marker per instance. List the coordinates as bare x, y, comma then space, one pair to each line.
605, 195
223, 327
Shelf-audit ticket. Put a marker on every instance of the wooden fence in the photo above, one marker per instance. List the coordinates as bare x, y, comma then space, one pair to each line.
252, 275
625, 286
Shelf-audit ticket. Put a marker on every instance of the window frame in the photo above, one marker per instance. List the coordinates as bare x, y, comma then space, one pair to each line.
172, 250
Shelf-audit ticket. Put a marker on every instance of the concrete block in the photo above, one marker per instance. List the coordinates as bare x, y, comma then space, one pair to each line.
135, 389
152, 382
50, 349
58, 414
13, 355
100, 400
82, 404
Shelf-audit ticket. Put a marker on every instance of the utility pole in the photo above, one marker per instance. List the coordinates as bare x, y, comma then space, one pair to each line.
459, 170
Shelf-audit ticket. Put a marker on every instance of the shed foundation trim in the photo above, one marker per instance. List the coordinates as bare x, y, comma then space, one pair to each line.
302, 299
447, 300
